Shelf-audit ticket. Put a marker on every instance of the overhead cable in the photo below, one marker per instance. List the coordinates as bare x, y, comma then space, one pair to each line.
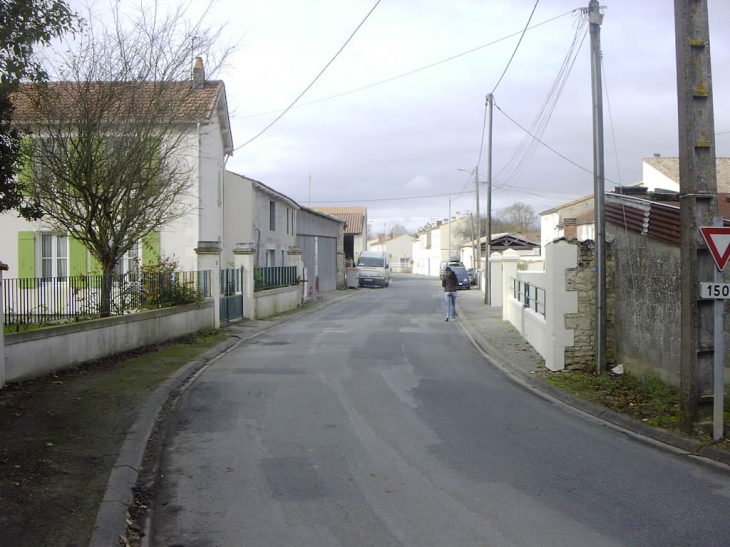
388, 80
516, 47
313, 81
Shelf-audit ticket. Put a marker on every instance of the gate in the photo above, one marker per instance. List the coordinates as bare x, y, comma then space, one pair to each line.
231, 294
319, 254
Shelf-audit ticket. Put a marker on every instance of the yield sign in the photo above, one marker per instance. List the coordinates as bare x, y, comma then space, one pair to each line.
718, 241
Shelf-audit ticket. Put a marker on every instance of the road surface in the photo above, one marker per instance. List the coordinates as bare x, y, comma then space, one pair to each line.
373, 422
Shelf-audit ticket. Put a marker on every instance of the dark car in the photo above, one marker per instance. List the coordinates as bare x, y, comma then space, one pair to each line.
462, 277
472, 275
450, 264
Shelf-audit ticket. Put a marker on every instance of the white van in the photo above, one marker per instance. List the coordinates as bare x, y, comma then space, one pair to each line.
374, 268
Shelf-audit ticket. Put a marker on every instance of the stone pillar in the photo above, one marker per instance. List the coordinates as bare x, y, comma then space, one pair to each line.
209, 258
496, 278
3, 268
567, 275
510, 258
294, 257
244, 256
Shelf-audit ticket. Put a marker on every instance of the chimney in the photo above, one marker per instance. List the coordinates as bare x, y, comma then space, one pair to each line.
198, 74
657, 155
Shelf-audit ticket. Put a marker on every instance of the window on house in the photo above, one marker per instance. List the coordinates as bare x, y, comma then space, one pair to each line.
129, 263
54, 255
287, 221
270, 258
272, 216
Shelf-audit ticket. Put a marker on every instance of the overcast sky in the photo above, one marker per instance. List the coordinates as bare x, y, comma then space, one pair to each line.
391, 121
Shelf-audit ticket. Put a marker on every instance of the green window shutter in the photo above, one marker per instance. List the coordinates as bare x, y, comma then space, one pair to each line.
77, 262
151, 249
26, 255
26, 171
77, 258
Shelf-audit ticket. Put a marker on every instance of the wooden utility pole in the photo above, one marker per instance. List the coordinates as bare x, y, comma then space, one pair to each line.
698, 205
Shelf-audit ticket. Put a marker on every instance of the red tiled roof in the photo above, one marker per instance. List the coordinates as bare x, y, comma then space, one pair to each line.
355, 216
174, 101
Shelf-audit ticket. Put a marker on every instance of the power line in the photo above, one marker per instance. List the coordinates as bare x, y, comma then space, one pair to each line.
516, 47
315, 79
388, 80
548, 146
526, 149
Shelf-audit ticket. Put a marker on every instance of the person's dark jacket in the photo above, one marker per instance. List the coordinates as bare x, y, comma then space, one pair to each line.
449, 281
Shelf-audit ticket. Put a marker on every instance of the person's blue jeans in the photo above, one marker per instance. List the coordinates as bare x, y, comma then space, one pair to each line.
450, 305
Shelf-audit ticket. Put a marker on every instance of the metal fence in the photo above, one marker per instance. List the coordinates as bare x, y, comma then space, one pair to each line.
36, 301
274, 276
531, 296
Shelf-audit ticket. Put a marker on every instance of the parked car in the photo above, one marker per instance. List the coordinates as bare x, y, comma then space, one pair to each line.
453, 261
462, 277
472, 275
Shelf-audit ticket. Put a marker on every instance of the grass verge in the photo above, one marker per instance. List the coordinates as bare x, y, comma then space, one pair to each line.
60, 436
643, 398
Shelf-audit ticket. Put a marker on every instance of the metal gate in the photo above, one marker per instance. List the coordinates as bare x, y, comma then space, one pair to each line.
231, 294
320, 258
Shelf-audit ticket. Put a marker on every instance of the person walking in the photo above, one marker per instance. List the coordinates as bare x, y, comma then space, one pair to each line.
450, 284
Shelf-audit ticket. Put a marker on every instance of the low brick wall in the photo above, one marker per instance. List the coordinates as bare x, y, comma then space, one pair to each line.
34, 353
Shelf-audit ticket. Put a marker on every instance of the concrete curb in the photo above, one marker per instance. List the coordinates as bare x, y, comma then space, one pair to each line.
111, 517
691, 446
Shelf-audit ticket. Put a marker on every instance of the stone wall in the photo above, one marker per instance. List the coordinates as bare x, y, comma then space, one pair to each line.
648, 310
582, 279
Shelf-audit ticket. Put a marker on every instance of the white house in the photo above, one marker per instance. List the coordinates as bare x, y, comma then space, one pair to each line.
399, 248
560, 221
194, 240
662, 173
437, 243
576, 219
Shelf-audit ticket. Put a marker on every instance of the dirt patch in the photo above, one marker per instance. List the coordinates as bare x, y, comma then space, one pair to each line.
60, 436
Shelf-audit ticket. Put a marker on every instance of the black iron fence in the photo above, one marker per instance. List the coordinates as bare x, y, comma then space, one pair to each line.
273, 277
37, 301
531, 296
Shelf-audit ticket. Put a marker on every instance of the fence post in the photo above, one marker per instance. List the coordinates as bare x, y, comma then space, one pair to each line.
243, 257
3, 268
209, 255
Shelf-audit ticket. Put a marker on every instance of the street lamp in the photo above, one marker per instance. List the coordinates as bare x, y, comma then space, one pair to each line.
448, 258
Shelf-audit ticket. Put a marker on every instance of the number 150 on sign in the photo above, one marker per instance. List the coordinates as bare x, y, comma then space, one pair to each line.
717, 291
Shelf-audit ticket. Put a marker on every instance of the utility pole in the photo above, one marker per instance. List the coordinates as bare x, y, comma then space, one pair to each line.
595, 19
488, 288
698, 205
479, 223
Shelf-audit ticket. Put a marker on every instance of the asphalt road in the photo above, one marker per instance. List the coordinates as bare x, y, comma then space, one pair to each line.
374, 422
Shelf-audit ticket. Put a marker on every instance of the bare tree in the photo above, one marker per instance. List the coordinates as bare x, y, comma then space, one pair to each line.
518, 217
109, 145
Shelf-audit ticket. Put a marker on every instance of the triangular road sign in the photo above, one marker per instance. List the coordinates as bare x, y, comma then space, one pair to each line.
718, 241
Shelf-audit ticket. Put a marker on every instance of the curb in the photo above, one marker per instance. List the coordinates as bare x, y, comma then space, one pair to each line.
111, 517
692, 447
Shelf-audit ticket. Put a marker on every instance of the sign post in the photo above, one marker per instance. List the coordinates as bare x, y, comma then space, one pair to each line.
718, 242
